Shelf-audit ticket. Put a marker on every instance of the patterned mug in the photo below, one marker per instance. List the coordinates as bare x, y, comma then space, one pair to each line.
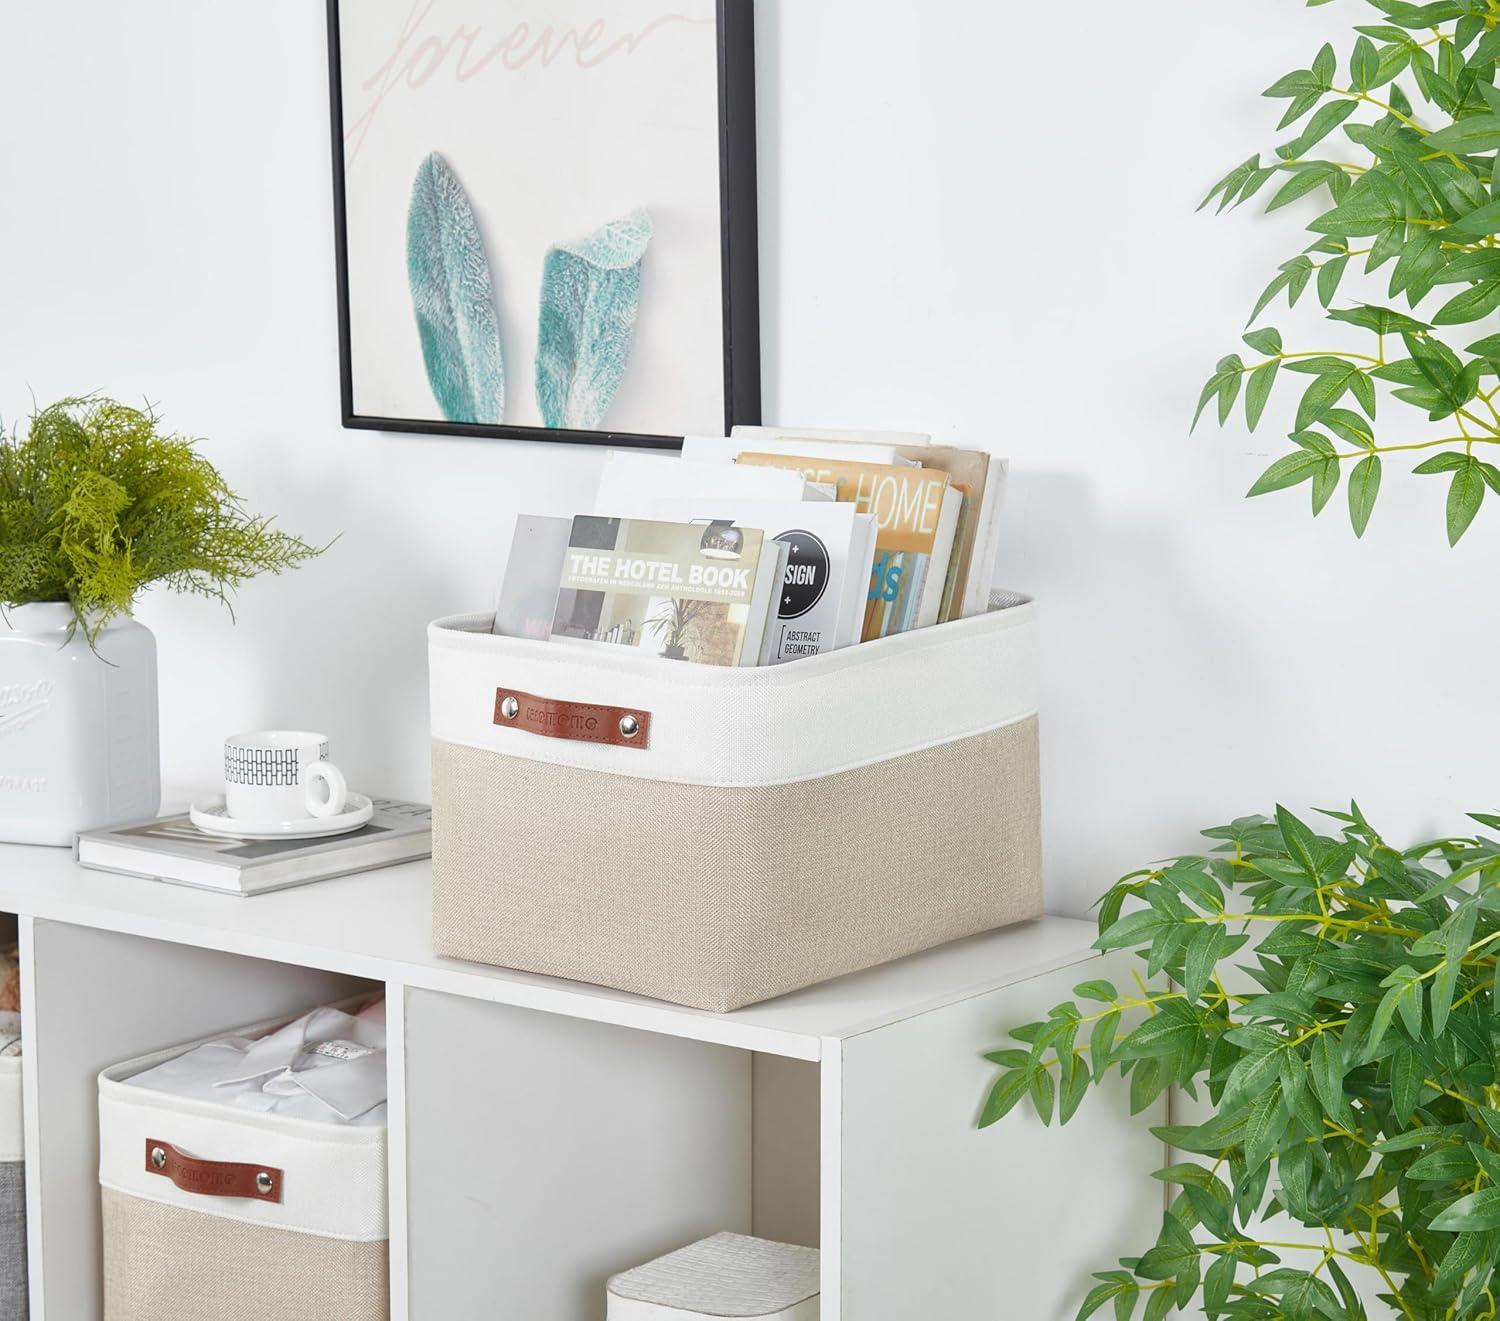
278, 775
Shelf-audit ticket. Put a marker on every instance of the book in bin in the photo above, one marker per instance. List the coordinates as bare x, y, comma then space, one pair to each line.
916, 512
679, 590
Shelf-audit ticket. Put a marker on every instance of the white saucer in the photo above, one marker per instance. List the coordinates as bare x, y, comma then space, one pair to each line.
212, 818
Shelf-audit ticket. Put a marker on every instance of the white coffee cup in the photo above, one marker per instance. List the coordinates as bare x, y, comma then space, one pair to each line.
277, 775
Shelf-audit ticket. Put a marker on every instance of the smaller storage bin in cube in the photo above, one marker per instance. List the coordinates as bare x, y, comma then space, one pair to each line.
243, 1177
13, 1301
728, 1275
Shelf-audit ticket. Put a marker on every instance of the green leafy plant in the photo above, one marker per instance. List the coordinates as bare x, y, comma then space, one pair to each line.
1354, 1086
97, 503
1414, 110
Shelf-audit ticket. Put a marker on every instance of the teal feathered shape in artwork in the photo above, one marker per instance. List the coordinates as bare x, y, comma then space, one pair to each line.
453, 295
590, 291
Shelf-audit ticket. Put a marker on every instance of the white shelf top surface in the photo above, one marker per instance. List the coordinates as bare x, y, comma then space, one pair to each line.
378, 925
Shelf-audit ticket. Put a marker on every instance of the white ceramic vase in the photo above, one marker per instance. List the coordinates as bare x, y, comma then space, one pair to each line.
79, 739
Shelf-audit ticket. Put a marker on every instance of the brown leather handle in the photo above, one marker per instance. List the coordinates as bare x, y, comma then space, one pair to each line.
212, 1178
582, 722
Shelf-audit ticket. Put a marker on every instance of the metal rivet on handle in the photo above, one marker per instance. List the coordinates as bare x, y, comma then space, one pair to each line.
158, 1158
629, 726
510, 708
264, 1182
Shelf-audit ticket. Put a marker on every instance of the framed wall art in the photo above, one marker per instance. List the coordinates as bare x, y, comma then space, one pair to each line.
545, 216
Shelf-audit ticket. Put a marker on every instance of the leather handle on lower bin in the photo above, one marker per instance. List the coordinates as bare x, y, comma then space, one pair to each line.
212, 1178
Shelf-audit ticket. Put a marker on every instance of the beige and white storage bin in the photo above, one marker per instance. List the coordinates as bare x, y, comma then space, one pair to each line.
243, 1177
728, 1275
716, 836
13, 1301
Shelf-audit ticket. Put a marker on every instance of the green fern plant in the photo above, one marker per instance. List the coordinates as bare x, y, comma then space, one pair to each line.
1414, 192
97, 503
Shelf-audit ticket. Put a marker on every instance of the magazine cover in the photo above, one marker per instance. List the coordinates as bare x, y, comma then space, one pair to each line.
915, 515
824, 587
685, 592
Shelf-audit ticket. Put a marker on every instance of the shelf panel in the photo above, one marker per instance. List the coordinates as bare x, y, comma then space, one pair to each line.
547, 1154
377, 925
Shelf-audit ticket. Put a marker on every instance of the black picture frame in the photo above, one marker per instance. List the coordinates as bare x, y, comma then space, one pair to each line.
739, 241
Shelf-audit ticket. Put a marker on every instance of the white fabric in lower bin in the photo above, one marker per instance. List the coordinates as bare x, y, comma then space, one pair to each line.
13, 1302
728, 1275
243, 1177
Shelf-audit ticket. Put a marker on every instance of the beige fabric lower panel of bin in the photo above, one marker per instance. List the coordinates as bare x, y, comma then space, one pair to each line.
164, 1263
320, 1253
718, 897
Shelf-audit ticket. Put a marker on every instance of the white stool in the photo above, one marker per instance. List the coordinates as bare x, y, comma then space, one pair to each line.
728, 1275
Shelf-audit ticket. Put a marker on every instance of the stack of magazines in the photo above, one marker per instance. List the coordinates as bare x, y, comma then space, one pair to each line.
762, 547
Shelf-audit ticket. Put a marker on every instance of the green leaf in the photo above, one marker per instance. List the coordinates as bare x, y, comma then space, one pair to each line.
1225, 384
1174, 1257
1330, 275
1264, 1124
1467, 1251
1478, 224
1418, 267
1382, 320
1258, 391
1104, 992
1009, 1059
1204, 950
1003, 1097
1457, 932
1479, 1210
1324, 66
1350, 426
1404, 994
1443, 1165
1139, 928
1335, 378
1465, 495
1174, 1026
1300, 841
1102, 1042
1327, 1075
1407, 1072
1447, 461
1471, 305
1289, 470
1364, 65
1229, 187
1325, 483
1374, 204
1472, 135
1266, 340
1364, 487
1043, 1093
1118, 1287
1074, 1086
1305, 178
1218, 1280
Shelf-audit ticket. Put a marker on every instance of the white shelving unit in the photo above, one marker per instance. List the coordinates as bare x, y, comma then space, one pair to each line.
545, 1134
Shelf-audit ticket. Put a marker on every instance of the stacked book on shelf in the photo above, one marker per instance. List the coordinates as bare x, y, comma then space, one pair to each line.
762, 547
173, 849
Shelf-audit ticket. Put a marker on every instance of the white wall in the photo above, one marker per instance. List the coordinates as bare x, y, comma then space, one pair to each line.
972, 224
